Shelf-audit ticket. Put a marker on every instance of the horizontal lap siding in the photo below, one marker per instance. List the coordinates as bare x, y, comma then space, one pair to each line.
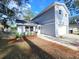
48, 29
48, 23
46, 17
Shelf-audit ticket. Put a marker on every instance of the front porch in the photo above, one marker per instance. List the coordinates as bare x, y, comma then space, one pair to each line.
27, 28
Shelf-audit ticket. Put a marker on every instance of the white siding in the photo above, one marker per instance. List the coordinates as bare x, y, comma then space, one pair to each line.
52, 22
61, 21
21, 29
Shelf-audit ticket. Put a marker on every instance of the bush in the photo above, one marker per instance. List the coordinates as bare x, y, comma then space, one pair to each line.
17, 35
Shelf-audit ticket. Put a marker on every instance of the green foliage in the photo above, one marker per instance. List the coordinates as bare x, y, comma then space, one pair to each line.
73, 21
4, 1
17, 35
29, 15
77, 3
73, 6
10, 12
4, 9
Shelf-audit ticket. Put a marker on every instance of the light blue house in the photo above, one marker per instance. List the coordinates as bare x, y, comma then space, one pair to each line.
53, 21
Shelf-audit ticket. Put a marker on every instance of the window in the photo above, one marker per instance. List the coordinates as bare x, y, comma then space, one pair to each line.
27, 27
39, 28
60, 11
31, 28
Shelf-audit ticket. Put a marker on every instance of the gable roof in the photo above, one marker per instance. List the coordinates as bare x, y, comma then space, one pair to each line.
50, 6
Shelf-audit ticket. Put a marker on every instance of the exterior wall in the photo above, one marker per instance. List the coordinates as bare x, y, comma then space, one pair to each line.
52, 23
48, 29
75, 28
48, 23
46, 17
61, 21
20, 29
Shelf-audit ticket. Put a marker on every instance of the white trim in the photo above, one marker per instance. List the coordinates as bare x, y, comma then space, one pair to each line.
27, 24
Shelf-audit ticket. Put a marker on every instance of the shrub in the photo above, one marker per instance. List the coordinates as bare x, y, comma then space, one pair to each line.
17, 35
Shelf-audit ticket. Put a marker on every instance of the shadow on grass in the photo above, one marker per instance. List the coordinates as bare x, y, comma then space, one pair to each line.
11, 51
4, 35
16, 53
39, 53
3, 43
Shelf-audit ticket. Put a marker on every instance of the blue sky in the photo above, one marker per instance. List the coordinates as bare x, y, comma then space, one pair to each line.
38, 5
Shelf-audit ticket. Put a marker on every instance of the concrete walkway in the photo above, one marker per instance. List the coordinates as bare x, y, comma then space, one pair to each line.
72, 37
67, 41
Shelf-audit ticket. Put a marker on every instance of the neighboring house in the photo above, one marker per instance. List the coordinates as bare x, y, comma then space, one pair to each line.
74, 24
73, 29
54, 20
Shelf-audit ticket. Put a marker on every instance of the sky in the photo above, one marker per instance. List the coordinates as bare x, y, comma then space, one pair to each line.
38, 5
35, 5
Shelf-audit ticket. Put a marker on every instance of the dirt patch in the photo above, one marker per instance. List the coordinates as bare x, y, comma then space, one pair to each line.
54, 50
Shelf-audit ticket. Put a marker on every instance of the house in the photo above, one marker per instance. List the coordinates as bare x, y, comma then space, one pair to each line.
74, 24
53, 21
25, 27
20, 26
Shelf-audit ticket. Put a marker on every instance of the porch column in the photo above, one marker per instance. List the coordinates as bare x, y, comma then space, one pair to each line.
38, 30
34, 29
29, 30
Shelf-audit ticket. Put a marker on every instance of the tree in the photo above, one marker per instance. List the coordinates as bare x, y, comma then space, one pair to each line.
77, 3
4, 1
4, 9
73, 6
29, 15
